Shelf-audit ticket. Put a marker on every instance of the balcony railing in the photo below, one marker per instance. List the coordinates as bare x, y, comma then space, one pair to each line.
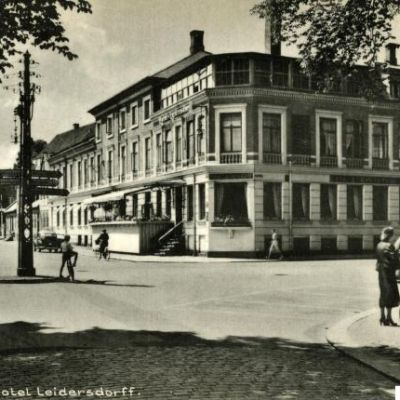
380, 163
300, 159
272, 158
326, 161
202, 158
169, 166
231, 158
149, 171
355, 163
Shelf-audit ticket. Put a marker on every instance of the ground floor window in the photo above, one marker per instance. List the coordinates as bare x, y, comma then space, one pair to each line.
230, 203
168, 202
272, 200
301, 245
135, 205
189, 203
355, 244
328, 202
380, 203
328, 245
159, 204
301, 201
354, 202
202, 201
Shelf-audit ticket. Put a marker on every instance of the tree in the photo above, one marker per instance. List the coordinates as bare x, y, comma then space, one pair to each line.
35, 22
37, 147
335, 36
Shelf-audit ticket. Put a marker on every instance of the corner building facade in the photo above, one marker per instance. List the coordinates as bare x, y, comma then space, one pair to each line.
216, 151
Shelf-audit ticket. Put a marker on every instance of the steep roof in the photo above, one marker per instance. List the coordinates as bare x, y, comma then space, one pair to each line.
71, 138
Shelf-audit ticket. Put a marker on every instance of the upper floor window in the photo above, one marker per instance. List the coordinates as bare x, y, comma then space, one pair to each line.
232, 71
262, 72
85, 172
110, 164
98, 130
123, 160
301, 134
353, 140
146, 109
99, 174
71, 176
122, 120
169, 150
231, 132
109, 123
201, 140
79, 173
92, 170
328, 128
134, 115
135, 157
190, 140
178, 143
272, 133
159, 150
380, 140
147, 154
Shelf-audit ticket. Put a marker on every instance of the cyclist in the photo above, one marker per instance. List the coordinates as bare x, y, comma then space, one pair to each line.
67, 254
103, 241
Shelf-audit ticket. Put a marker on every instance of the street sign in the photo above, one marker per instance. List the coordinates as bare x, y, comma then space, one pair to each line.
36, 173
49, 191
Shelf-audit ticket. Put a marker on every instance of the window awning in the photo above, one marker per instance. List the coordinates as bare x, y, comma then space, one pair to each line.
168, 183
10, 209
112, 196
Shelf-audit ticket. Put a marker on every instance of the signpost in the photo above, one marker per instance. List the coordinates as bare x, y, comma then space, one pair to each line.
30, 182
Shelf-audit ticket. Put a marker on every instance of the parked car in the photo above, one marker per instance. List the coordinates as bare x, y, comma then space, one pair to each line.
47, 240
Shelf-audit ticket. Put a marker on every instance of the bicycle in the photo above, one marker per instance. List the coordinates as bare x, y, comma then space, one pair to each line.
105, 254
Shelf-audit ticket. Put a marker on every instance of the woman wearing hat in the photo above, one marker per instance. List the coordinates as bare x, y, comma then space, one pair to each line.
386, 265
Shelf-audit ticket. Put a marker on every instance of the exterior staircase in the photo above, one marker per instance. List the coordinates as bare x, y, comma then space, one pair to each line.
171, 243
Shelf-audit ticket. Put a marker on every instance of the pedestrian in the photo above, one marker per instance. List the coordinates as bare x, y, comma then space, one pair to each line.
386, 265
67, 254
274, 247
103, 240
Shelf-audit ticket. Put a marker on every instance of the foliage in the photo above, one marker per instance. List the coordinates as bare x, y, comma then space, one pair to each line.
333, 36
35, 22
37, 147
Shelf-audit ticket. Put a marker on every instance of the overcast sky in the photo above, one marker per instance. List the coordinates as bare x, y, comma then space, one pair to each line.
121, 42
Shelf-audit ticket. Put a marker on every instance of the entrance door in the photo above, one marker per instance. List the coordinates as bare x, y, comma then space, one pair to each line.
178, 204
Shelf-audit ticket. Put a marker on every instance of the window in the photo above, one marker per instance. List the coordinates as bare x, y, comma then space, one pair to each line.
380, 203
178, 142
169, 150
231, 132
190, 140
301, 246
328, 245
328, 128
99, 174
353, 143
189, 191
300, 78
280, 73
109, 123
159, 150
79, 173
85, 172
262, 72
272, 133
395, 89
135, 158
71, 176
135, 205
236, 71
110, 164
71, 217
85, 216
354, 202
65, 177
122, 120
146, 109
202, 201
201, 140
380, 140
301, 201
355, 244
79, 213
272, 201
168, 202
159, 203
301, 134
147, 153
230, 203
98, 131
123, 161
328, 202
92, 170
58, 218
134, 115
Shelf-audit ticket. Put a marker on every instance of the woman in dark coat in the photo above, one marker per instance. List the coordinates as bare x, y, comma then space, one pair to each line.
386, 265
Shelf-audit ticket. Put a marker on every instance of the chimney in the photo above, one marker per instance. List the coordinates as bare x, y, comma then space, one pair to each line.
196, 41
391, 50
76, 126
272, 45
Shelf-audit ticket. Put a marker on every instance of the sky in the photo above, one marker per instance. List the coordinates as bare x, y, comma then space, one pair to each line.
118, 44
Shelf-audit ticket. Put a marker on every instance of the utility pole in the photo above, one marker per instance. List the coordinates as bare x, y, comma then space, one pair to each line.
25, 240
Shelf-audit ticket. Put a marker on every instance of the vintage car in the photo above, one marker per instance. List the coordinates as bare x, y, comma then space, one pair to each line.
47, 240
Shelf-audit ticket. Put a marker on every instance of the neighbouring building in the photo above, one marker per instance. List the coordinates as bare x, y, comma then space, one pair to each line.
212, 153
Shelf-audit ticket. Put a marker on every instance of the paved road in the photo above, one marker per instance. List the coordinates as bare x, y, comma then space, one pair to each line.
188, 331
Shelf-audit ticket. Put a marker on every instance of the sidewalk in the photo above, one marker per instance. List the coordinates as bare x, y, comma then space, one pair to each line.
362, 338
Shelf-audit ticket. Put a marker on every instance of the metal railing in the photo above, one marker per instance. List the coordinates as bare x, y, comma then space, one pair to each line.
168, 234
272, 158
380, 163
300, 159
231, 158
328, 161
355, 163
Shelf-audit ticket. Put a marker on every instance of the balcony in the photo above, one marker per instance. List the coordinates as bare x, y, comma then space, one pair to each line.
355, 163
169, 166
231, 158
380, 163
328, 161
300, 159
272, 158
149, 171
202, 158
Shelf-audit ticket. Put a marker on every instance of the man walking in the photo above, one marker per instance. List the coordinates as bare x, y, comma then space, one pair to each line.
67, 254
103, 240
274, 246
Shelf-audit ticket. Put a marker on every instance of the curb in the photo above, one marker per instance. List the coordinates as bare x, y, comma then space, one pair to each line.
25, 280
337, 336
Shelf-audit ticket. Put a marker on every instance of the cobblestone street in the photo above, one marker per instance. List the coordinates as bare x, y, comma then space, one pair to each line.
186, 331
